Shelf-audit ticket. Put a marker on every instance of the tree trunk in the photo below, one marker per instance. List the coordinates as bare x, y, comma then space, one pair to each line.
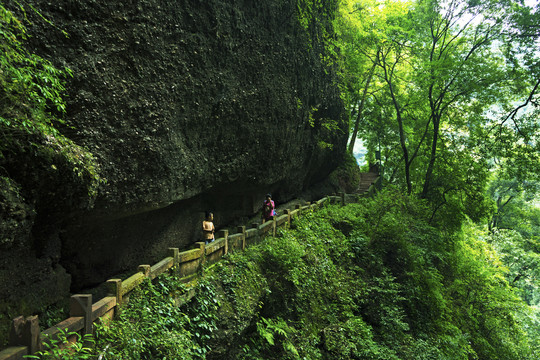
431, 165
405, 153
402, 139
360, 109
399, 119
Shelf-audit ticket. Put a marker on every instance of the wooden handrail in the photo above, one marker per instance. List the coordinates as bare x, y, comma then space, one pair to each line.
186, 263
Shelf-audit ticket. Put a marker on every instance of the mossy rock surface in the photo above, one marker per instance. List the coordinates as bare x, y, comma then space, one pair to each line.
186, 106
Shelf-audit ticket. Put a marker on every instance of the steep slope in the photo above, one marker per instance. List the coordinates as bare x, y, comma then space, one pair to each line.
370, 280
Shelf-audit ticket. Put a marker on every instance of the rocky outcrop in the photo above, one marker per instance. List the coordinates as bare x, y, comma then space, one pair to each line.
187, 106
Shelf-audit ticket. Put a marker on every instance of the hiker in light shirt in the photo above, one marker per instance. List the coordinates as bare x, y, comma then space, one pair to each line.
208, 228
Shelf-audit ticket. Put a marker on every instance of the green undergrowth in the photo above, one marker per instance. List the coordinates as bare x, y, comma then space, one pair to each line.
32, 113
369, 281
364, 281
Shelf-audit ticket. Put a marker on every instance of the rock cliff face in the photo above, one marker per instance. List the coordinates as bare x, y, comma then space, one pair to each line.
187, 105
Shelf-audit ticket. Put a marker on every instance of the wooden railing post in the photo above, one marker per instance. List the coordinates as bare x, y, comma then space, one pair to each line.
25, 332
114, 287
242, 230
202, 246
175, 254
145, 270
288, 213
342, 195
81, 305
299, 208
225, 234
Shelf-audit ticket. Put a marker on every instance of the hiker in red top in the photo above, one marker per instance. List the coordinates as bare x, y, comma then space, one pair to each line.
269, 209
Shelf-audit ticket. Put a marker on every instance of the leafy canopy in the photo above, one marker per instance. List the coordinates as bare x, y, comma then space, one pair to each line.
445, 90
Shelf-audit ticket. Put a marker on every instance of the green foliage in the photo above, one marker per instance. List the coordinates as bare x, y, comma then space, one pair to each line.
515, 205
54, 314
366, 281
151, 326
32, 108
316, 27
66, 345
31, 86
486, 307
515, 232
353, 339
311, 15
445, 90
522, 258
202, 315
275, 334
370, 281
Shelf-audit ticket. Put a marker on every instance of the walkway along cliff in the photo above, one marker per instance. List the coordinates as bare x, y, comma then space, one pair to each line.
25, 337
186, 106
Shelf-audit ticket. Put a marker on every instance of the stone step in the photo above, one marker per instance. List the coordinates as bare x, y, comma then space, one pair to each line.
366, 180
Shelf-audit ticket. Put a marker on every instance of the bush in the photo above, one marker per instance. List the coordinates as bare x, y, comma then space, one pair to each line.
64, 348
151, 326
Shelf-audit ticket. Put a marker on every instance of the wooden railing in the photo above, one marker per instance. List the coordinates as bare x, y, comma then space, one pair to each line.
26, 338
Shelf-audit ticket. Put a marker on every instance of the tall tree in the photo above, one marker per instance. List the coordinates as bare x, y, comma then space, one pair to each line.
445, 74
